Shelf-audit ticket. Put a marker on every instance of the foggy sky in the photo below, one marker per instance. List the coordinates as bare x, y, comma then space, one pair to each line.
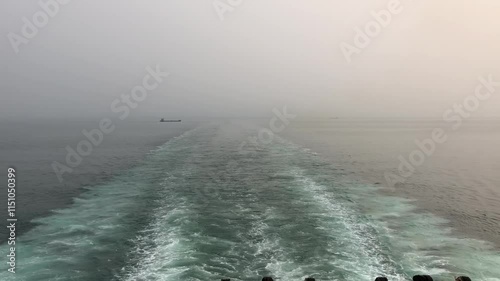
264, 54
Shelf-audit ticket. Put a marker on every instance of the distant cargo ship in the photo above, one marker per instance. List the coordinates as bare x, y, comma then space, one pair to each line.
163, 120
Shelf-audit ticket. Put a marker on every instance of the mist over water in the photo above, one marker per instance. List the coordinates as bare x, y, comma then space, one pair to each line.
197, 208
292, 114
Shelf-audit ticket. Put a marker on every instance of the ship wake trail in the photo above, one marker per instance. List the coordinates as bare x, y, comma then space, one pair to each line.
199, 209
362, 234
196, 235
90, 239
352, 245
287, 213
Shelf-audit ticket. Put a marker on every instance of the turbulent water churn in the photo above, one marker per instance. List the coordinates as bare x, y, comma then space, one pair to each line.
200, 208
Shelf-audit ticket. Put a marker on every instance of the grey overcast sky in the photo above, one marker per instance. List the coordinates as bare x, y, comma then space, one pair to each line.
264, 54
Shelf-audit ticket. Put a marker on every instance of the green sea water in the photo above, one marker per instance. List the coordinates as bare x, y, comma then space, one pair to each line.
201, 208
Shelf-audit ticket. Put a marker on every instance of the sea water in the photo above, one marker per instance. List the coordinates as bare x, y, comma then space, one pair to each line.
199, 207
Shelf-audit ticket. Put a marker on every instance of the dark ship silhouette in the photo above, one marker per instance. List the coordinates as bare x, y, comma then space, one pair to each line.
164, 120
